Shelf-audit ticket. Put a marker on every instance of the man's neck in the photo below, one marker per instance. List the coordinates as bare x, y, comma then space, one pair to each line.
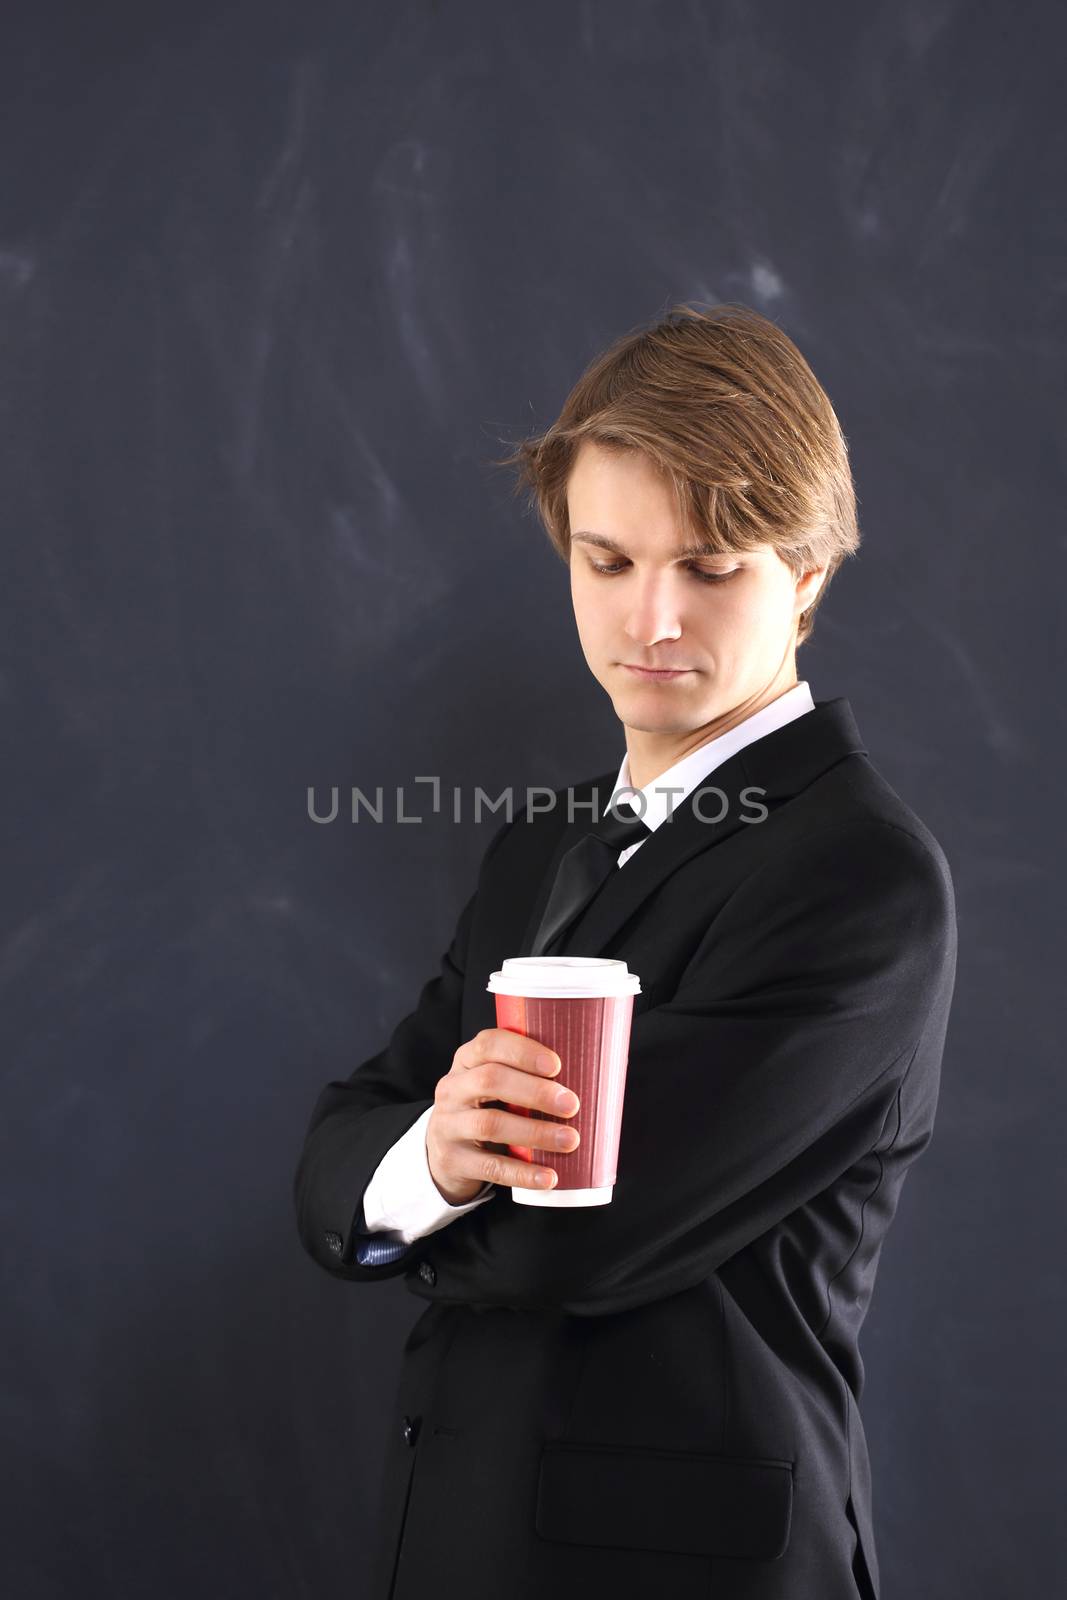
649, 756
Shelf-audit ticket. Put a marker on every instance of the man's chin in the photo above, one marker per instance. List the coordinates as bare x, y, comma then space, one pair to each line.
636, 723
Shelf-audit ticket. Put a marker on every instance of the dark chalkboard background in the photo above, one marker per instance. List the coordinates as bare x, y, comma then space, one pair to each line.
276, 286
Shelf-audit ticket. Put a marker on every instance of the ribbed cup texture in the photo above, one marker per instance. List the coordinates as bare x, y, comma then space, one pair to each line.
592, 1039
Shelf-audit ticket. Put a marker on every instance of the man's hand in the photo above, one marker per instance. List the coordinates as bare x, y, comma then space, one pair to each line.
497, 1065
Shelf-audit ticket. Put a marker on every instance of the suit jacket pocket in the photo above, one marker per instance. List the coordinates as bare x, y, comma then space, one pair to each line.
681, 1500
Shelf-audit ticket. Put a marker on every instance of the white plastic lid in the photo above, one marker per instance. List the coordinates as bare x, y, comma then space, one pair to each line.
564, 978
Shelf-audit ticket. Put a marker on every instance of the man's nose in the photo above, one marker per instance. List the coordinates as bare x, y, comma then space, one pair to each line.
655, 613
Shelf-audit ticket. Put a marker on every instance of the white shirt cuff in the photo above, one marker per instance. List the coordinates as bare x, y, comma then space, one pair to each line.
402, 1197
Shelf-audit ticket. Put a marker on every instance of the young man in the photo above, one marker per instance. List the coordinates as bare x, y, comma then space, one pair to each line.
660, 1395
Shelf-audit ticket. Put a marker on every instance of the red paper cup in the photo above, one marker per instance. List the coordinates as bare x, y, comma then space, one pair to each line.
581, 1007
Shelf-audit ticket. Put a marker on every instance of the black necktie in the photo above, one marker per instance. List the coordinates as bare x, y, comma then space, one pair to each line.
583, 869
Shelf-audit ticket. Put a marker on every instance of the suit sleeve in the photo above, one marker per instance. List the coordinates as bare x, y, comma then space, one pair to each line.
357, 1119
817, 999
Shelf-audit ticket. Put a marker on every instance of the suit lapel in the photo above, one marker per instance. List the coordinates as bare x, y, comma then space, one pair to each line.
767, 772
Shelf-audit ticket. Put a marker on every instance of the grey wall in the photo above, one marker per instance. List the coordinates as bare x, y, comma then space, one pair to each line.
275, 284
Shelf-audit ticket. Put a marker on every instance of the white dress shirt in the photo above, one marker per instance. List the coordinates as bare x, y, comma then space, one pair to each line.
401, 1198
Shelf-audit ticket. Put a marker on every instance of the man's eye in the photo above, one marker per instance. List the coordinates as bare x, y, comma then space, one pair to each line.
704, 577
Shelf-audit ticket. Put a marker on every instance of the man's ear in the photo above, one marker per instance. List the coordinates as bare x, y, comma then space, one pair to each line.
808, 586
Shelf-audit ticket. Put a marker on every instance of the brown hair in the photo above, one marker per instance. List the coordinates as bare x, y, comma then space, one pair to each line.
723, 402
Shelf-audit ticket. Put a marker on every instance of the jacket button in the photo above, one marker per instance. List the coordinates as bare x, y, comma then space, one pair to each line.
335, 1243
410, 1430
427, 1272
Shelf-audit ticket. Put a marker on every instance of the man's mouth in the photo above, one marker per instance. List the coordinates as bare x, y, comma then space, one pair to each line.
653, 673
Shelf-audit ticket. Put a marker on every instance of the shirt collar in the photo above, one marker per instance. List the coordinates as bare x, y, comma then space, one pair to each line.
695, 767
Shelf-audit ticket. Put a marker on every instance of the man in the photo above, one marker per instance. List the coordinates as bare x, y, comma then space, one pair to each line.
660, 1395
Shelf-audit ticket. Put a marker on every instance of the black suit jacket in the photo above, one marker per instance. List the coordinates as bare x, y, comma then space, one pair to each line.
660, 1395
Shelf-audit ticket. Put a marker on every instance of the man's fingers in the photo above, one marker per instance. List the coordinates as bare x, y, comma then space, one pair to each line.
512, 1049
498, 1167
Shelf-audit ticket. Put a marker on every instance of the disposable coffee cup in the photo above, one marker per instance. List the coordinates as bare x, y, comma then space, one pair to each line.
581, 1007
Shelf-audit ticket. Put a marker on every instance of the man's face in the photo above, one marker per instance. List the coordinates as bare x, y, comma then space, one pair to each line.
729, 621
